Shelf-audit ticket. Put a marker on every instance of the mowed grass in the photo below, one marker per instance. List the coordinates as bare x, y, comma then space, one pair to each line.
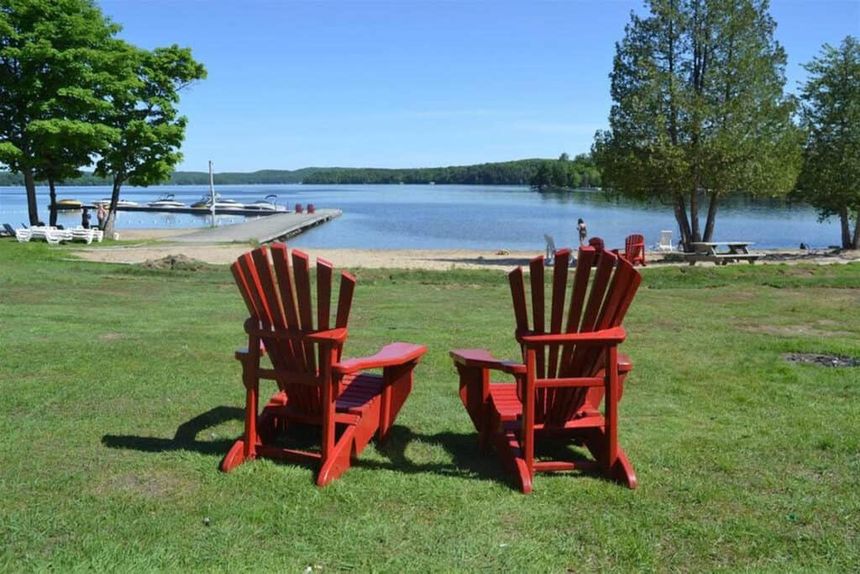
119, 395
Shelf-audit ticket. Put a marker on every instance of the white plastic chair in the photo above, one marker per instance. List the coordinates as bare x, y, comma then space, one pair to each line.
665, 244
23, 235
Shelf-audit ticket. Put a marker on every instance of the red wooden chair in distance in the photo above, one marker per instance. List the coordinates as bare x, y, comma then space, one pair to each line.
568, 369
315, 385
634, 249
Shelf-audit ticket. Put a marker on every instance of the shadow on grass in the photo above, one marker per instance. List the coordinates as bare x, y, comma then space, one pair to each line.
466, 459
185, 437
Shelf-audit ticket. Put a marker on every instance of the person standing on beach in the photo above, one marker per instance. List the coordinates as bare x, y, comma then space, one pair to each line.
583, 231
85, 218
101, 215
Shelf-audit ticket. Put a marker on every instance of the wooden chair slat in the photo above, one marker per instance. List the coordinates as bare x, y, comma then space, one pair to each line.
344, 299
559, 293
302, 276
518, 294
538, 308
294, 351
244, 289
286, 283
269, 290
324, 275
246, 263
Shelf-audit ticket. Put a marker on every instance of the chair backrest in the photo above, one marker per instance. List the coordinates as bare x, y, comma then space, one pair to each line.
666, 238
276, 287
602, 288
634, 248
597, 243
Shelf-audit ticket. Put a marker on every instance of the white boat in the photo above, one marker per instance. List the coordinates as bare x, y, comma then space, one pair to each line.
166, 201
267, 204
220, 203
121, 203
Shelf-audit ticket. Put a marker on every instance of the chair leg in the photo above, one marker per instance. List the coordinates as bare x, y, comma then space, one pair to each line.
474, 392
338, 460
398, 385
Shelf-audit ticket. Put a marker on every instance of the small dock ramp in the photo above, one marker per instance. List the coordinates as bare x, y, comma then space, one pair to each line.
261, 230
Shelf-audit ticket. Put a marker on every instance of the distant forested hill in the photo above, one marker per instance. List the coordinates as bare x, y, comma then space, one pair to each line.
520, 172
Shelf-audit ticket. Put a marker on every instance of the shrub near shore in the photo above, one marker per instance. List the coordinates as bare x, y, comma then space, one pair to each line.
119, 395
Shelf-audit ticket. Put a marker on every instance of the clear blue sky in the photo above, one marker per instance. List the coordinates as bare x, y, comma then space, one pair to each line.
410, 83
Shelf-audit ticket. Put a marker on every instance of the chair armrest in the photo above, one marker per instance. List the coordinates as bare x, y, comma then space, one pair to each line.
612, 336
482, 359
390, 355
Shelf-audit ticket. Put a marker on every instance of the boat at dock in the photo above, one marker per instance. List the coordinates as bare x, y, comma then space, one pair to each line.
69, 204
220, 203
268, 204
167, 202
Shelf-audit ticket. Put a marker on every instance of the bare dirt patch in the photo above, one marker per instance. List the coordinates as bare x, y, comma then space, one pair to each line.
178, 262
149, 484
822, 360
796, 331
111, 337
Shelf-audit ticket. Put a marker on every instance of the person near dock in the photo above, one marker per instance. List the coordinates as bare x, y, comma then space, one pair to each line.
583, 231
101, 215
85, 218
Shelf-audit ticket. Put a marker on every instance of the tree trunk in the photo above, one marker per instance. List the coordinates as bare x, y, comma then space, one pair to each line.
110, 221
712, 216
52, 186
30, 186
683, 222
856, 242
694, 215
846, 228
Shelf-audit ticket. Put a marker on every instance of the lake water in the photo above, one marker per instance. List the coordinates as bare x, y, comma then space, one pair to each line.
454, 216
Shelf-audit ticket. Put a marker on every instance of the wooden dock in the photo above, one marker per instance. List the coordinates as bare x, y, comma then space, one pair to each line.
263, 230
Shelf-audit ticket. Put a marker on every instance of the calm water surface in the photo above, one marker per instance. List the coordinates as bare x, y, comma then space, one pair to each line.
453, 216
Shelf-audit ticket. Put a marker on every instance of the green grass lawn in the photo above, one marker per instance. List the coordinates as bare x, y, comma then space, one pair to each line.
119, 395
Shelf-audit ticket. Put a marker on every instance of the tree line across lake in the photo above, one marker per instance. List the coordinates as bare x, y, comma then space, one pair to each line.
540, 173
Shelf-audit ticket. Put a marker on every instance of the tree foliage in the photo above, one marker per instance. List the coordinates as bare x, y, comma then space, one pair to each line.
566, 174
699, 110
67, 85
145, 117
830, 177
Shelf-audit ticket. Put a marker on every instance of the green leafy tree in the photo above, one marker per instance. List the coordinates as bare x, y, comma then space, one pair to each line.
542, 177
52, 60
830, 178
146, 116
699, 110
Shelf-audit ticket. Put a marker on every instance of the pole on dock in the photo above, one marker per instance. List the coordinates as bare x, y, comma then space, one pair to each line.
211, 193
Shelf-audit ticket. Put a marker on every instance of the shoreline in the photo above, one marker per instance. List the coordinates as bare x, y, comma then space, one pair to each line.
155, 244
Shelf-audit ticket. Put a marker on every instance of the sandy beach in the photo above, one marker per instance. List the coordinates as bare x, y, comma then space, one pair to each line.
141, 245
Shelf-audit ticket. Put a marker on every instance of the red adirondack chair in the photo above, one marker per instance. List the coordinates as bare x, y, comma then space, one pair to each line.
315, 386
568, 369
634, 249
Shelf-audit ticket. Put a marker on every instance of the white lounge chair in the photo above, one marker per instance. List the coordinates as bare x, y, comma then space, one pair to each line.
665, 244
82, 234
23, 235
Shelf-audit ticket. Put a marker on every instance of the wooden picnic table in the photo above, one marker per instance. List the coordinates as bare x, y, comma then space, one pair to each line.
721, 252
